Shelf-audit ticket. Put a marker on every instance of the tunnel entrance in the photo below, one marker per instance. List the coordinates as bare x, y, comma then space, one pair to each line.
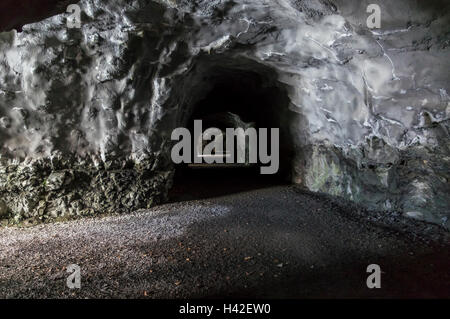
236, 98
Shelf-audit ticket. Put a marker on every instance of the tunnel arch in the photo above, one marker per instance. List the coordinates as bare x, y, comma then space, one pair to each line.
246, 90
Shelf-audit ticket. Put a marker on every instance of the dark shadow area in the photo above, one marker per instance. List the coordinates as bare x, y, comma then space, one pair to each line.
192, 183
278, 252
14, 14
238, 99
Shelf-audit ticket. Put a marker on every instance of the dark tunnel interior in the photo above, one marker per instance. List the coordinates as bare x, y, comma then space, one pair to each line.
257, 101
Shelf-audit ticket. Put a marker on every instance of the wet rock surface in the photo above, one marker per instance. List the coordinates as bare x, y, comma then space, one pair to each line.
276, 242
367, 112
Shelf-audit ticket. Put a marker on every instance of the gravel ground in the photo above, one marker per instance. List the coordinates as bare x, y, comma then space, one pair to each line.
277, 242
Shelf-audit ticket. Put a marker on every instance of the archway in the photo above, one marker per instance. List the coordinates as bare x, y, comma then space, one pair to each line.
237, 97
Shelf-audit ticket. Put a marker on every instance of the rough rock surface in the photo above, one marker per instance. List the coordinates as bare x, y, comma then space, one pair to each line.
86, 114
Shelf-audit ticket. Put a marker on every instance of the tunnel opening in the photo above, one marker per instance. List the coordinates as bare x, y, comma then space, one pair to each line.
237, 98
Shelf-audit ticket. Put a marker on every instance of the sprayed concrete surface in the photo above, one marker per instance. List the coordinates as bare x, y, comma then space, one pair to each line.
277, 242
86, 114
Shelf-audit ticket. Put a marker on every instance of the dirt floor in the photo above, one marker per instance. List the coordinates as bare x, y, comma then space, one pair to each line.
272, 241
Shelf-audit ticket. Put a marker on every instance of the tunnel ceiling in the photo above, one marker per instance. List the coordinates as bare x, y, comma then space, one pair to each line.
86, 114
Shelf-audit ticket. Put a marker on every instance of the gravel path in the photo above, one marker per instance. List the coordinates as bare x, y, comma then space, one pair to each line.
273, 242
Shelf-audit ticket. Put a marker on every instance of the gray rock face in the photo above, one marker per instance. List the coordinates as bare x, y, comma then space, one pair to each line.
4, 210
86, 114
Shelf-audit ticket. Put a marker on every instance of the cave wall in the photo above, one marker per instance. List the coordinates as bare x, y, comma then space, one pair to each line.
86, 114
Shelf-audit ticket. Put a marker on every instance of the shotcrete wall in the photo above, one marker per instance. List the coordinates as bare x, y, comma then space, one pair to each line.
86, 114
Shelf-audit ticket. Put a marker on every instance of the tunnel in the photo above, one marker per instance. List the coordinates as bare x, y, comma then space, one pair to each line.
236, 97
94, 204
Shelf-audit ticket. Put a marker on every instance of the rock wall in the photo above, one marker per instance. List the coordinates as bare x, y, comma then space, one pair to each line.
86, 114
